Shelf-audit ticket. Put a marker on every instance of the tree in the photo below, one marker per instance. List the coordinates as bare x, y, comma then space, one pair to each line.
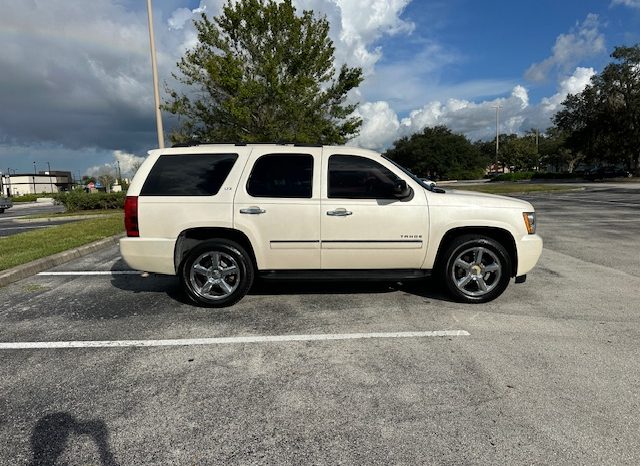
439, 153
603, 121
106, 176
261, 73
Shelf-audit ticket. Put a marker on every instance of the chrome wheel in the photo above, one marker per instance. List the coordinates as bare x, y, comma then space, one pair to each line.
476, 271
214, 275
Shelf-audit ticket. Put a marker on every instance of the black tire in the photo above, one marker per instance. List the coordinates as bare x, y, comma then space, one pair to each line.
1, 211
236, 284
493, 271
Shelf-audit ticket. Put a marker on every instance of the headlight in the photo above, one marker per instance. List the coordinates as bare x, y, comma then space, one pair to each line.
530, 221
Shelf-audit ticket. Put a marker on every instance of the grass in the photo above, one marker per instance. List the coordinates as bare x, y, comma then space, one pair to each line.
512, 188
79, 213
26, 247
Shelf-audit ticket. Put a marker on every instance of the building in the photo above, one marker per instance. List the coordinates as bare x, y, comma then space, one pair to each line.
19, 184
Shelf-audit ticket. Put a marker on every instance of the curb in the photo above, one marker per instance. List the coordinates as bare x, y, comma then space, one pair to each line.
27, 270
55, 219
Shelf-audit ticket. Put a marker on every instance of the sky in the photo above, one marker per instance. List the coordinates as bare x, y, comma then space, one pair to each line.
76, 87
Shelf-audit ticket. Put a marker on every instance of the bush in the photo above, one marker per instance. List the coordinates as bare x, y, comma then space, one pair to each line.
556, 176
465, 174
513, 176
80, 200
30, 197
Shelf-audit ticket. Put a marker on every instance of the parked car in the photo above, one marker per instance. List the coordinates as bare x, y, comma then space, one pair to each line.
219, 215
602, 173
5, 203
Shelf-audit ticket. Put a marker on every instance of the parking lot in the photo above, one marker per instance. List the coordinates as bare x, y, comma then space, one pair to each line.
12, 223
548, 373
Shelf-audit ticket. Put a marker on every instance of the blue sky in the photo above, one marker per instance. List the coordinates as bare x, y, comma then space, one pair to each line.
76, 83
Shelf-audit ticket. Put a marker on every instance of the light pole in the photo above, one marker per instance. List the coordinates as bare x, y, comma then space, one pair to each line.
497, 107
154, 67
34, 178
50, 182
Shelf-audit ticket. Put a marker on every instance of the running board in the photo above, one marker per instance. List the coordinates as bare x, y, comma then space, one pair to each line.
347, 275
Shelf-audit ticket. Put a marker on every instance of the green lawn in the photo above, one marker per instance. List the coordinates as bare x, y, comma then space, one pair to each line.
512, 188
26, 247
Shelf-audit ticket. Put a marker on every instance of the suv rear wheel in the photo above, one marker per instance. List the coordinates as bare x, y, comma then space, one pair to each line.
217, 273
477, 269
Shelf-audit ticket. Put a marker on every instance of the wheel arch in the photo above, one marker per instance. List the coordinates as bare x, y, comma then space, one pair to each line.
190, 238
502, 236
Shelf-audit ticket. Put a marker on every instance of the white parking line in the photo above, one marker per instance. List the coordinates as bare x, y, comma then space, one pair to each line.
227, 340
92, 272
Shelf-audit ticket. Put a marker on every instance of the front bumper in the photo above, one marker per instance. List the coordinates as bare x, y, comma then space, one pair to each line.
529, 250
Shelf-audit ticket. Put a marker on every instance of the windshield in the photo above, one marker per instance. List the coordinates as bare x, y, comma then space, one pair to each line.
408, 172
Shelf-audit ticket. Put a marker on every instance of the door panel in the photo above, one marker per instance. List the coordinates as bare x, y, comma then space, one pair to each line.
377, 233
284, 231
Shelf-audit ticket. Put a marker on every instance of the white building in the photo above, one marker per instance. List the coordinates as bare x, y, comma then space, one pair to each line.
19, 184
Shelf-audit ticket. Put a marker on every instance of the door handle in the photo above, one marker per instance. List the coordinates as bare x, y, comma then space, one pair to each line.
341, 212
252, 210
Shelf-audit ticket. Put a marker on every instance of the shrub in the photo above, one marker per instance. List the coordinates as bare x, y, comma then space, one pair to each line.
556, 176
30, 197
465, 174
80, 200
513, 176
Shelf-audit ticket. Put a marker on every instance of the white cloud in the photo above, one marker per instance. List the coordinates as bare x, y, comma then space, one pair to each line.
574, 84
474, 119
629, 3
381, 125
128, 165
585, 40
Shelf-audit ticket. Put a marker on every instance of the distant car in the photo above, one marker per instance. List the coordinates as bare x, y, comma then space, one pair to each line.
606, 172
5, 204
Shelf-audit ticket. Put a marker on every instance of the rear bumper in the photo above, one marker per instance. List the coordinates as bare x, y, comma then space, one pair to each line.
149, 254
529, 250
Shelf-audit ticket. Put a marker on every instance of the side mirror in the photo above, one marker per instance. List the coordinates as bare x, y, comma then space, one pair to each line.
401, 190
429, 183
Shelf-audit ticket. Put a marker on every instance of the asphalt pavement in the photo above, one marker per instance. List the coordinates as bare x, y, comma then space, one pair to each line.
548, 374
10, 220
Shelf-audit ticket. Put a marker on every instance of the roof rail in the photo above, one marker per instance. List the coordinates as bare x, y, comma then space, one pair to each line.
196, 142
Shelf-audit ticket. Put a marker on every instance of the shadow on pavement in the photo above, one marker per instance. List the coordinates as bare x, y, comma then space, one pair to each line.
51, 433
425, 288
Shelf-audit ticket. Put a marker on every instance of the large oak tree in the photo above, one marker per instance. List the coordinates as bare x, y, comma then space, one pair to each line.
262, 73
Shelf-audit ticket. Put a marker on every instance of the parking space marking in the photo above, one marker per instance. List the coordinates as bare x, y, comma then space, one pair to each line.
91, 272
227, 340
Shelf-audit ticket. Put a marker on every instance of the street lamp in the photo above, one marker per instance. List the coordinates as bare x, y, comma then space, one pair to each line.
154, 68
497, 107
50, 182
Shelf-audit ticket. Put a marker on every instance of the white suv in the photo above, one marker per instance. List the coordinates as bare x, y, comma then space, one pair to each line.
218, 215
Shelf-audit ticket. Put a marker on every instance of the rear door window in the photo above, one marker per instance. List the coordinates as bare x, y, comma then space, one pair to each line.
188, 175
282, 175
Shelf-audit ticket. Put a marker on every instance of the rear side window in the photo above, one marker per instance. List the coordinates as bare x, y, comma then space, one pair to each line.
188, 175
281, 175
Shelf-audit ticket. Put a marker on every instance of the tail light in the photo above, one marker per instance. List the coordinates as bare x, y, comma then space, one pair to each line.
131, 216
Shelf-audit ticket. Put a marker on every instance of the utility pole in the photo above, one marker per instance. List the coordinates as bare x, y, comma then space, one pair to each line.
34, 178
50, 182
497, 107
154, 67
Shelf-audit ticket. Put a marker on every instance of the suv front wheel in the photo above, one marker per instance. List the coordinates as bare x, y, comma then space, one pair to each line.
476, 269
217, 273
